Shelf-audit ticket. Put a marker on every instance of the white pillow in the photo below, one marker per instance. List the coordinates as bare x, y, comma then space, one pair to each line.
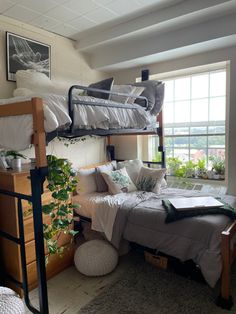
125, 89
118, 181
87, 182
132, 167
35, 81
137, 92
22, 92
150, 179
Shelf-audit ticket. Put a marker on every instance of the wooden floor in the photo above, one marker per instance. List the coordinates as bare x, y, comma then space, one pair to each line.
70, 290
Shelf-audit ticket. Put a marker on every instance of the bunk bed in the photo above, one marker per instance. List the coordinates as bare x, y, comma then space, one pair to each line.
36, 108
25, 121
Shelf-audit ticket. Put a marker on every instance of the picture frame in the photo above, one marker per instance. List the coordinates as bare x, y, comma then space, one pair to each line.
26, 54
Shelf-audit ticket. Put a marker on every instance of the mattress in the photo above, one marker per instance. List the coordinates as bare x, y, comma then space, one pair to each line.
88, 203
16, 131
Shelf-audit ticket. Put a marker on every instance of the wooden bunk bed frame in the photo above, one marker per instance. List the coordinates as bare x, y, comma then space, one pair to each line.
35, 107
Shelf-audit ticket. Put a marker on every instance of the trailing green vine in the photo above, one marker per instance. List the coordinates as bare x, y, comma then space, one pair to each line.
62, 183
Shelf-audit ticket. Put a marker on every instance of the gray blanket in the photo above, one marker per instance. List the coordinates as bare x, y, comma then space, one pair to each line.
196, 238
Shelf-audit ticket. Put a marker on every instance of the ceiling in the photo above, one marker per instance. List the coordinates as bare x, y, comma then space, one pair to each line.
118, 34
71, 17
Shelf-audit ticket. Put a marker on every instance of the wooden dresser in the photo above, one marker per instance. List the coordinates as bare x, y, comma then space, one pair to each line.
18, 181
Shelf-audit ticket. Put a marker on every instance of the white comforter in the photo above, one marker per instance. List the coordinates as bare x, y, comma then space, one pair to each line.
16, 131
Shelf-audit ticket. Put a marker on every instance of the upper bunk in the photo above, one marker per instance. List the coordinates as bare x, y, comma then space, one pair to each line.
82, 113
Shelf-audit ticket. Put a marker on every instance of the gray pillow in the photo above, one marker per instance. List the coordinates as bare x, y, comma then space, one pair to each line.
160, 92
100, 182
104, 84
149, 93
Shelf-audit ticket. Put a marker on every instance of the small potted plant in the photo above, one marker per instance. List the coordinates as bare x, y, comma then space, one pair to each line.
14, 159
201, 169
218, 167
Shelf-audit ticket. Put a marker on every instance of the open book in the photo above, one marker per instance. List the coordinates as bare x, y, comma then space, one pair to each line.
190, 203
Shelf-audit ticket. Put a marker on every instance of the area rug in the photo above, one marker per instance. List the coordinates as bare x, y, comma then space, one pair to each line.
144, 289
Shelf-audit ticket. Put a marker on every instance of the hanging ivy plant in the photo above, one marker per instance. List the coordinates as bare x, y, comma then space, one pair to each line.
62, 183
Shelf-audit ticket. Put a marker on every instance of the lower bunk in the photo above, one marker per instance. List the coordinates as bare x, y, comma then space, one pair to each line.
139, 217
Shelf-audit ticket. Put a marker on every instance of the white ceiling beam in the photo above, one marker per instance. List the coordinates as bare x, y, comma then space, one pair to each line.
133, 49
158, 20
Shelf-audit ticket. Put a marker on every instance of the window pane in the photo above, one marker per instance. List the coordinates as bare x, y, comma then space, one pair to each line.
181, 131
168, 112
200, 86
217, 109
169, 142
217, 83
182, 154
216, 141
198, 130
219, 152
169, 90
181, 141
182, 88
168, 131
216, 129
196, 154
198, 142
182, 111
199, 110
169, 152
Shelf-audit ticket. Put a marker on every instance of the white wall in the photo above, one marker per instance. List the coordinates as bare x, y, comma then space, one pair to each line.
67, 66
226, 54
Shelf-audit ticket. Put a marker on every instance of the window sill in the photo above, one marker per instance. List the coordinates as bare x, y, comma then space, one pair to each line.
221, 182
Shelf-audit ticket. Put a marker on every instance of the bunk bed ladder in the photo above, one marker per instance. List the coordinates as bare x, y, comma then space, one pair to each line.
36, 184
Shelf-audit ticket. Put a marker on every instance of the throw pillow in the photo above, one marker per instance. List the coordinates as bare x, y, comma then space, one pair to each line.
159, 98
150, 179
105, 85
137, 92
132, 167
35, 81
123, 89
86, 181
100, 182
118, 181
149, 93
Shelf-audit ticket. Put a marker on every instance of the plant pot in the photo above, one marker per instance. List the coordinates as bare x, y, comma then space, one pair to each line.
16, 163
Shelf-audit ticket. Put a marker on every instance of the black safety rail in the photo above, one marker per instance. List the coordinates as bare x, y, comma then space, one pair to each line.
37, 177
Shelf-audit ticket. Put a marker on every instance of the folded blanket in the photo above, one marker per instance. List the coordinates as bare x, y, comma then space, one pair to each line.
174, 215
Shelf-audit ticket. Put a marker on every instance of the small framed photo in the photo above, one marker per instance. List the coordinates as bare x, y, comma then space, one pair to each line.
24, 53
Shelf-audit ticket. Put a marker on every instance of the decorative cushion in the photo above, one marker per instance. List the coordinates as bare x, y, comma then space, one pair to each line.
118, 181
87, 183
10, 303
95, 258
132, 167
150, 93
35, 81
125, 89
159, 99
137, 92
100, 182
150, 179
104, 84
22, 92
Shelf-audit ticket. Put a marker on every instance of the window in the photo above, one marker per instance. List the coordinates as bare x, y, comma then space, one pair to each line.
194, 116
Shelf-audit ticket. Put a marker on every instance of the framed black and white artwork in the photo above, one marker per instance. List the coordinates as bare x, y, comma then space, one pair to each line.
25, 54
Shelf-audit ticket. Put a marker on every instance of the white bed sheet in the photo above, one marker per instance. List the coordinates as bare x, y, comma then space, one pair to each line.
16, 131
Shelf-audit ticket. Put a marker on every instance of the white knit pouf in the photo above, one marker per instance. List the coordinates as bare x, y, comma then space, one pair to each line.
10, 303
95, 258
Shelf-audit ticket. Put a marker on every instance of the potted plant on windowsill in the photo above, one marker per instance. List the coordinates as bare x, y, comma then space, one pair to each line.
14, 159
218, 167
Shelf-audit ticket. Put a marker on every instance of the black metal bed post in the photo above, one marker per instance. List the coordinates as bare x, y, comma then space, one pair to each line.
37, 178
